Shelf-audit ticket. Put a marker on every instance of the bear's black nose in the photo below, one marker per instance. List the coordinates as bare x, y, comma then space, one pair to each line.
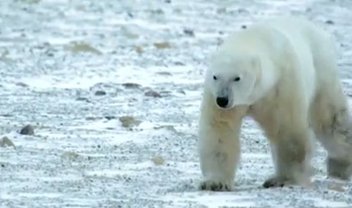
222, 101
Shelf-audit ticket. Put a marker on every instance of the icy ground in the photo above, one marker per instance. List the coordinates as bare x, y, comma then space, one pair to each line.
112, 89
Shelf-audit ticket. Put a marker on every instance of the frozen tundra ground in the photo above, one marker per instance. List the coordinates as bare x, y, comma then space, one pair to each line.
112, 90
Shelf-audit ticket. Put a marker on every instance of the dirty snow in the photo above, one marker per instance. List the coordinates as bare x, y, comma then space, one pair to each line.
64, 66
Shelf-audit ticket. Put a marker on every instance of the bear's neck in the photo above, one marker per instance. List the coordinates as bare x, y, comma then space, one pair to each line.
266, 81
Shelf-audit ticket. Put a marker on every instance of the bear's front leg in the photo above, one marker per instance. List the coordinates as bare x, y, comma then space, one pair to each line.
219, 147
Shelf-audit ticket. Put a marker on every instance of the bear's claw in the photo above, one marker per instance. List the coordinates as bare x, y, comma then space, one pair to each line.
276, 182
214, 186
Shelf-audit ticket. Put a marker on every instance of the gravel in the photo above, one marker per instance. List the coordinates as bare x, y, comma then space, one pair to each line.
72, 69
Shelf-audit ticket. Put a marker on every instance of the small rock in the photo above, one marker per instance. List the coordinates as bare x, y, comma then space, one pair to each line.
50, 54
138, 49
168, 127
27, 130
221, 10
162, 45
21, 84
32, 1
4, 53
188, 32
6, 142
164, 73
83, 99
131, 85
244, 27
130, 14
2, 165
165, 93
158, 160
110, 117
179, 63
181, 91
157, 11
152, 93
128, 33
329, 22
177, 10
91, 118
100, 93
242, 11
79, 47
129, 121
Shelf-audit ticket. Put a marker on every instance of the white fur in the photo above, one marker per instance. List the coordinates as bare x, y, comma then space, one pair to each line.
288, 84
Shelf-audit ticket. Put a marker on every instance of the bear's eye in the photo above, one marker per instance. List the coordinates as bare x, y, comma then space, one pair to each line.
215, 77
236, 79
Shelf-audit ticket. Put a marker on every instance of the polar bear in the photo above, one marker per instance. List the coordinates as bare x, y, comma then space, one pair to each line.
283, 74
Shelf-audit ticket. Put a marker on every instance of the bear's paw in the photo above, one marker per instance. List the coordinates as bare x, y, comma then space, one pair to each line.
215, 186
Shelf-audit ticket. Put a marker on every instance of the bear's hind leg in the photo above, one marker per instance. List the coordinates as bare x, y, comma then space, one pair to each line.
291, 154
286, 125
338, 142
336, 137
331, 120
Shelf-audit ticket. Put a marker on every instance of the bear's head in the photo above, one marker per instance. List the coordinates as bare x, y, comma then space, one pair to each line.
231, 78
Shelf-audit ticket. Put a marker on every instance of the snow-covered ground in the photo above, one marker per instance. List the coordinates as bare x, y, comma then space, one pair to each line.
112, 89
